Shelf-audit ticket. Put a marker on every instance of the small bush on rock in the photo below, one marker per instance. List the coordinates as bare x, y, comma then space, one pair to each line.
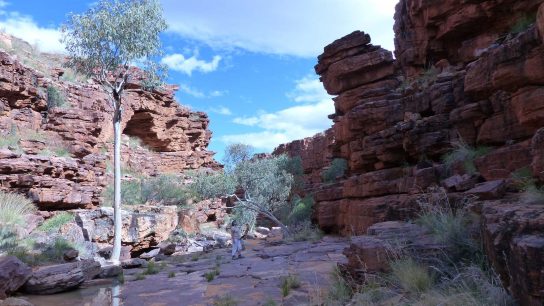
462, 152
289, 282
54, 223
337, 169
55, 97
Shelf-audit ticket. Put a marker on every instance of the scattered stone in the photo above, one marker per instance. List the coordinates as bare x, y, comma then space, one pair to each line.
150, 254
70, 255
54, 279
13, 274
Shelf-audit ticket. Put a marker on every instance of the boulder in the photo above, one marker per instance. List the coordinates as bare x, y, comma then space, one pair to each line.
13, 274
143, 228
371, 253
70, 255
149, 255
167, 248
90, 268
489, 190
55, 279
513, 239
109, 270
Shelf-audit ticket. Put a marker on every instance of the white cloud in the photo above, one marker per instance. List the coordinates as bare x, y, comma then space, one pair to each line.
24, 27
308, 90
290, 123
300, 28
197, 93
221, 110
191, 91
187, 65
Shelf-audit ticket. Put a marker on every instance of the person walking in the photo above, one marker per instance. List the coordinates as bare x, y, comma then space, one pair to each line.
236, 235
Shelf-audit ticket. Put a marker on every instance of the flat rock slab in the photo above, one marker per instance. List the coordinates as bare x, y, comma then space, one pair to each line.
252, 280
56, 278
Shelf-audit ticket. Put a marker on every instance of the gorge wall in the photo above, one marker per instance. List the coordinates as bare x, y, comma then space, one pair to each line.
465, 74
172, 138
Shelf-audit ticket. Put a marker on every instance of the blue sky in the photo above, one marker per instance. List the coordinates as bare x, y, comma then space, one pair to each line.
247, 63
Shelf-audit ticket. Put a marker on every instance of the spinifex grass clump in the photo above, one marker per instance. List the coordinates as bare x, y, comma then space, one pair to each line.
462, 152
289, 282
459, 274
13, 209
54, 223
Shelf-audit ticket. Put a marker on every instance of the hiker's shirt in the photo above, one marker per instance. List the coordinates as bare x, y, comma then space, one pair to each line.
236, 232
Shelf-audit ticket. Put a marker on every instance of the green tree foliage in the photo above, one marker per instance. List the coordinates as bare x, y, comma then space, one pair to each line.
265, 182
104, 43
235, 154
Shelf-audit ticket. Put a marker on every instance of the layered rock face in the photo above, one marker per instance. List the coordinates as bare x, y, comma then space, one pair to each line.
465, 73
173, 138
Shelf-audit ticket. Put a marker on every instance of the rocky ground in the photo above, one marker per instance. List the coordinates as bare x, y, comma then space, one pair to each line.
253, 280
209, 278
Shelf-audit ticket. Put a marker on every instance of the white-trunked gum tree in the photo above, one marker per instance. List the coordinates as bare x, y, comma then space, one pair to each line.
105, 43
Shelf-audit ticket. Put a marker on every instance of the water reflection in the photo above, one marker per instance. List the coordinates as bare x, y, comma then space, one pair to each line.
100, 295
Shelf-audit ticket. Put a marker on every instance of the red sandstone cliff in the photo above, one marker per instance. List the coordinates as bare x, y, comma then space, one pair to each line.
174, 138
464, 71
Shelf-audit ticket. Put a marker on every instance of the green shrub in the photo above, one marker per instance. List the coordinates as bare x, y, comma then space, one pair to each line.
9, 141
305, 231
73, 76
411, 276
340, 292
165, 189
465, 153
523, 24
337, 169
131, 193
151, 268
455, 228
523, 178
210, 275
289, 282
8, 240
58, 151
54, 223
171, 274
55, 97
13, 208
226, 300
533, 195
140, 276
302, 210
270, 302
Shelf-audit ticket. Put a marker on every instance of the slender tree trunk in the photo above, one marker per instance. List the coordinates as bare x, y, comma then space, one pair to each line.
284, 228
116, 252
